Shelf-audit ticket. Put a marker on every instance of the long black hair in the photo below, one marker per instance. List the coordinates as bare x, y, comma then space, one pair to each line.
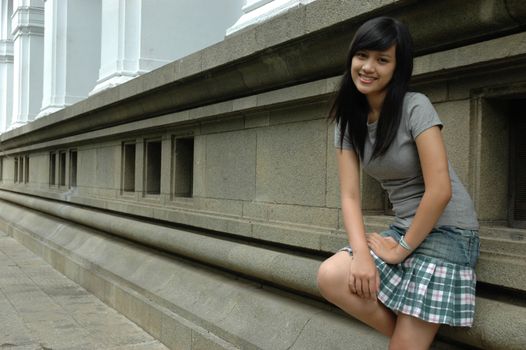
350, 107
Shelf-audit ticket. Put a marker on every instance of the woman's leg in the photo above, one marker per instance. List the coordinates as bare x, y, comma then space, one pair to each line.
333, 277
412, 333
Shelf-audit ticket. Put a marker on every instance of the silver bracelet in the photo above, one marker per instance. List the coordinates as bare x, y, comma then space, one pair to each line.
404, 244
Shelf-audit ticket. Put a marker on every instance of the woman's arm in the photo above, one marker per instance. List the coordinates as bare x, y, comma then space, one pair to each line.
433, 160
364, 278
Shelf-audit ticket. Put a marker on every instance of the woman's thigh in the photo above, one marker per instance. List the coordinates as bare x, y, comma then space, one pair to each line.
411, 333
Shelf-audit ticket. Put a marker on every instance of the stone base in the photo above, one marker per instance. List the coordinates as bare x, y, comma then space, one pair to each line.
189, 305
182, 303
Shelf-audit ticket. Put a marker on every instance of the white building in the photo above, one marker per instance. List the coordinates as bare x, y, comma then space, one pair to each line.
54, 53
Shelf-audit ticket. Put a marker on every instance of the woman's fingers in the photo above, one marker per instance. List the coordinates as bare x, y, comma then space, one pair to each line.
358, 285
352, 284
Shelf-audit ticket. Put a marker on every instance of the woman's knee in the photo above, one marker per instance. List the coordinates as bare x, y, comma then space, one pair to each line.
331, 277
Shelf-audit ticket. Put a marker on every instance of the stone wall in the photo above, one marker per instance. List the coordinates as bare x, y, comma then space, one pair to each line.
230, 146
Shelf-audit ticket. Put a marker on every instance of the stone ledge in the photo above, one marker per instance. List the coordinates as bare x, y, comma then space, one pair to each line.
308, 54
293, 272
189, 306
501, 262
175, 300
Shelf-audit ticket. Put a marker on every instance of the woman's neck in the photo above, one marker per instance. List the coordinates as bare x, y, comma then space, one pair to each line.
375, 106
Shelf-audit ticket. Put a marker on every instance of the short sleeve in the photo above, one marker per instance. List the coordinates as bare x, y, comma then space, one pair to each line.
346, 139
422, 115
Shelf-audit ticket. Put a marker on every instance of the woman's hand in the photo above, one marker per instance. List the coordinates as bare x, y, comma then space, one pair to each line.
387, 248
364, 279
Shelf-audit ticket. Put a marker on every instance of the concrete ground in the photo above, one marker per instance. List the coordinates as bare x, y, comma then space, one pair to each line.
41, 309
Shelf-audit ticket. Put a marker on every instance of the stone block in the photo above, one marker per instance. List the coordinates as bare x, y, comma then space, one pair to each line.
230, 165
222, 125
282, 28
220, 206
254, 210
456, 116
291, 163
199, 185
244, 103
143, 313
257, 119
288, 94
297, 113
212, 110
202, 342
189, 65
161, 76
470, 55
174, 334
508, 81
288, 235
333, 184
167, 158
309, 216
315, 335
108, 167
333, 242
324, 13
436, 91
234, 47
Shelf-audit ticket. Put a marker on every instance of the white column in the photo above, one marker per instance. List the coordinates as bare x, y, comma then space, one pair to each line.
6, 64
71, 52
120, 43
257, 11
141, 35
27, 25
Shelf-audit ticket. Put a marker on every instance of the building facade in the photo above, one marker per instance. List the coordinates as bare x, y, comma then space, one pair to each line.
188, 178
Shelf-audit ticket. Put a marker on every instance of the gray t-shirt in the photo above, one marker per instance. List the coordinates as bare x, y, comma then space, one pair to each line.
399, 170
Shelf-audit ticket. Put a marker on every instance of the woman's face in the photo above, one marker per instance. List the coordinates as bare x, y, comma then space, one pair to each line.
371, 71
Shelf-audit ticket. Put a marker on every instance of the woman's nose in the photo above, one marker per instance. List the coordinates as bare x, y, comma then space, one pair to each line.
367, 66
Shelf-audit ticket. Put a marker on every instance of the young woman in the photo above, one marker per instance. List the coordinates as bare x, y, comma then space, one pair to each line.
418, 274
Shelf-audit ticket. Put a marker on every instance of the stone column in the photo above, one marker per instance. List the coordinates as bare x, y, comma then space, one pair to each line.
141, 35
71, 52
257, 11
27, 24
6, 64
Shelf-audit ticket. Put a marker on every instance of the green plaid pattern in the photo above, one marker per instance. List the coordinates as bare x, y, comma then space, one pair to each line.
428, 288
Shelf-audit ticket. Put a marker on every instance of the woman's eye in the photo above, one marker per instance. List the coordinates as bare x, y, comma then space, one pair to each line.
361, 55
383, 60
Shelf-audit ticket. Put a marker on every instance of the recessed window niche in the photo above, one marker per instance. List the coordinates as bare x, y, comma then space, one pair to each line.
52, 168
73, 168
26, 175
184, 167
128, 167
20, 169
15, 175
517, 212
62, 168
153, 167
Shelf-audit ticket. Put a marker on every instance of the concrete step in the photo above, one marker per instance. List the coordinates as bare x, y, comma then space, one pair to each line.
207, 303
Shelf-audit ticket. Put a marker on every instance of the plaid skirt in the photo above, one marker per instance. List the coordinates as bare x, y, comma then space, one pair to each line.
436, 283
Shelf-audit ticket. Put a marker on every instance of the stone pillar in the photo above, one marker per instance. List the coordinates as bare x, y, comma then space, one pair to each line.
257, 11
71, 52
6, 64
27, 24
141, 35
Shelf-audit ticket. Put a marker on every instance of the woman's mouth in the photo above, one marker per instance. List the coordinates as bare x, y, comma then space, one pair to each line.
366, 79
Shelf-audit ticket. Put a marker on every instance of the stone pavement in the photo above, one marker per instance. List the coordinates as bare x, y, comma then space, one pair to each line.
41, 309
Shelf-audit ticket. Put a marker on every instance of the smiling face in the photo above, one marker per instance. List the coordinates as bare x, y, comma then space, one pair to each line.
371, 70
